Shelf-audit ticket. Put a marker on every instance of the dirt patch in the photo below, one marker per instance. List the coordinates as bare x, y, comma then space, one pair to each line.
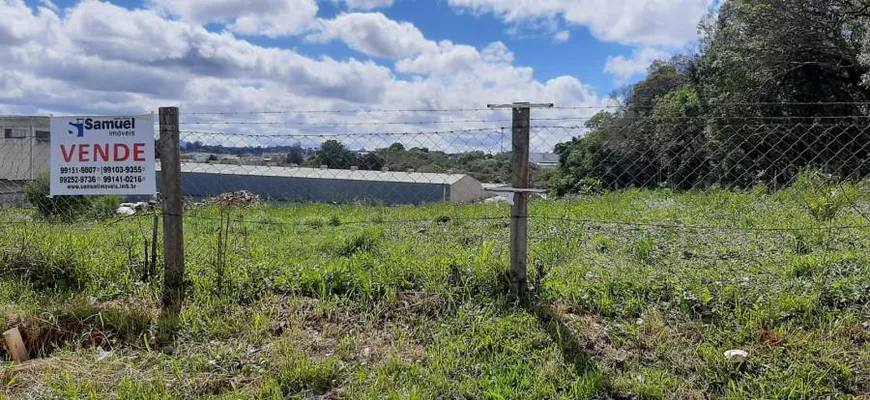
104, 325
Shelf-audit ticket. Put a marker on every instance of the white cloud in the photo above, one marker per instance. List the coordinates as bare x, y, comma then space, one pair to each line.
20, 24
273, 18
367, 4
374, 34
647, 22
96, 57
497, 53
625, 68
49, 5
562, 36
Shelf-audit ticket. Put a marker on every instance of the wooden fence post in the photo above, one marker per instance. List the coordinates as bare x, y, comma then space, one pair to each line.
520, 211
173, 233
521, 192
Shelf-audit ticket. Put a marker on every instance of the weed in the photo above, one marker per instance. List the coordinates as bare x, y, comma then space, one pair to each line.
643, 249
45, 272
315, 222
414, 310
296, 372
363, 242
822, 197
602, 243
65, 208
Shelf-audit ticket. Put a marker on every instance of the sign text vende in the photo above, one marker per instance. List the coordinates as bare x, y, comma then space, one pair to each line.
117, 152
102, 155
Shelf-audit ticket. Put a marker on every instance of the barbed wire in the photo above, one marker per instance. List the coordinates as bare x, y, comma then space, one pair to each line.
712, 118
331, 124
349, 134
466, 110
360, 111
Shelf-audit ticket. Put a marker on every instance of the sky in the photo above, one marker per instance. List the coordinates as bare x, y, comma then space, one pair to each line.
89, 57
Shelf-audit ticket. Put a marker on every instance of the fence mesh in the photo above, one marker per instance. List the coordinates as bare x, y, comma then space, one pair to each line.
273, 202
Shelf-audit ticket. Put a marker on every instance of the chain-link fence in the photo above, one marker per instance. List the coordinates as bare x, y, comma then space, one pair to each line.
697, 153
24, 155
256, 187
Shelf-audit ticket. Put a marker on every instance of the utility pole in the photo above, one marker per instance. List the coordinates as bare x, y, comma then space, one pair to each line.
521, 192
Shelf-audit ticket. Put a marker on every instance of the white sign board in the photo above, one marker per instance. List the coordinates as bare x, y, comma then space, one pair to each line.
102, 156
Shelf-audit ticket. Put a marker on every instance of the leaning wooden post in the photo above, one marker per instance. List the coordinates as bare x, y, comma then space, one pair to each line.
521, 192
15, 345
173, 234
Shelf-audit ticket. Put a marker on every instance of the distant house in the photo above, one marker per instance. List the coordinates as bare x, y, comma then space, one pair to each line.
544, 159
328, 185
24, 149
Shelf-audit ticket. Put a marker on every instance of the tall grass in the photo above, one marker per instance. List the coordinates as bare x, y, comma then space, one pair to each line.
638, 295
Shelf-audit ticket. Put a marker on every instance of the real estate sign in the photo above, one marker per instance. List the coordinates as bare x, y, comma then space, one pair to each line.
102, 155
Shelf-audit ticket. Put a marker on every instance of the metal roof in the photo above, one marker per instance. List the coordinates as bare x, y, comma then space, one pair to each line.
316, 173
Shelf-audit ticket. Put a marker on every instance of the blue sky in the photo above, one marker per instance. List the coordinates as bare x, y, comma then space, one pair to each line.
129, 55
582, 55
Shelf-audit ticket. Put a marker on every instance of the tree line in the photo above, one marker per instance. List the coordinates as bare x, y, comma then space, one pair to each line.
742, 109
485, 167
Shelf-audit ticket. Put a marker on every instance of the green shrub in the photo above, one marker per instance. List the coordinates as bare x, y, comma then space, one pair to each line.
68, 208
64, 207
586, 186
44, 271
104, 206
822, 197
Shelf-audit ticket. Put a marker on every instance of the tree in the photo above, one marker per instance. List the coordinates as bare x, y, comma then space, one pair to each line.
678, 140
743, 109
371, 162
295, 154
396, 147
335, 155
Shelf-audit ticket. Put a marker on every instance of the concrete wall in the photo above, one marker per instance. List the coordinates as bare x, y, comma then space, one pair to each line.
23, 158
203, 185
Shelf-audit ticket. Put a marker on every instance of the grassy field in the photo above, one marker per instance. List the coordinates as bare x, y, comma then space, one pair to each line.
374, 302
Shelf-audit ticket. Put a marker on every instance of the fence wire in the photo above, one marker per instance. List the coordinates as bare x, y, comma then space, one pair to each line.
277, 197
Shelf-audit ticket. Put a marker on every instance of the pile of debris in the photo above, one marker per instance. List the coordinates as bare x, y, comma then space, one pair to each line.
128, 209
240, 198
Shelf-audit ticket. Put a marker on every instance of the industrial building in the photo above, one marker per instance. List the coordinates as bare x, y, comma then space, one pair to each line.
24, 151
202, 180
24, 154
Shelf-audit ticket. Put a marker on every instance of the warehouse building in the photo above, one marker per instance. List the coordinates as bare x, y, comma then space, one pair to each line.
24, 154
201, 180
24, 151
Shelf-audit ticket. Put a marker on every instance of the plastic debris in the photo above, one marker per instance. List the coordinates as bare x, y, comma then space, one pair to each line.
736, 355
